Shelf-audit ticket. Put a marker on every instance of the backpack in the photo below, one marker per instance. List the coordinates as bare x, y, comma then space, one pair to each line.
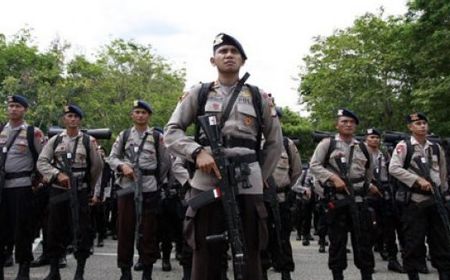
86, 139
30, 140
257, 104
156, 136
403, 191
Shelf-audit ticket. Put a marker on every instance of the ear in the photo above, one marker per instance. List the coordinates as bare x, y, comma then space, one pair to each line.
212, 61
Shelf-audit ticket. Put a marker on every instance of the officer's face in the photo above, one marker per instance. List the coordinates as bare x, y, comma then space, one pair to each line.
140, 116
71, 120
346, 126
419, 128
373, 141
227, 59
16, 112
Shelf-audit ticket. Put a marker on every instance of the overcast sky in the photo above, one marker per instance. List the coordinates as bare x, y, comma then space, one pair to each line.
276, 35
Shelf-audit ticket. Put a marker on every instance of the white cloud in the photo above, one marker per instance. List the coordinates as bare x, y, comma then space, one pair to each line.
275, 34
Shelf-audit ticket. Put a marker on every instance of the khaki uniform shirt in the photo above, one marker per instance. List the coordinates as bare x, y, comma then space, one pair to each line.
281, 174
19, 157
240, 124
438, 171
147, 158
357, 169
50, 161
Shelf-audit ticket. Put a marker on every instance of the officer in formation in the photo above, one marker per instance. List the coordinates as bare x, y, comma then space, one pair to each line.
139, 149
388, 222
20, 144
342, 166
421, 168
285, 175
242, 122
69, 161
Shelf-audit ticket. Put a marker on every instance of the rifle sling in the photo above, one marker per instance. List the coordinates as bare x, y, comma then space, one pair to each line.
232, 100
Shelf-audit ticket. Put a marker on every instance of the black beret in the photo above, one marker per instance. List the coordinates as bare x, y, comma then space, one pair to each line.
73, 109
416, 117
373, 131
18, 99
225, 39
347, 113
143, 105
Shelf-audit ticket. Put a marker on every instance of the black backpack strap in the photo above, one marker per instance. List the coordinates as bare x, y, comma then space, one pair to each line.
57, 141
87, 146
436, 151
156, 136
409, 153
257, 104
201, 102
125, 136
363, 148
331, 148
30, 139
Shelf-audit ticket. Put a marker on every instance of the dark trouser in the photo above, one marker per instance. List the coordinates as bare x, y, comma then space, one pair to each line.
99, 220
391, 229
209, 258
171, 225
305, 212
60, 232
16, 223
281, 258
340, 223
322, 225
419, 221
40, 215
126, 221
111, 214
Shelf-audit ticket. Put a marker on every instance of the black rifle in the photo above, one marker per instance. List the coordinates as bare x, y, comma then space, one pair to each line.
228, 189
72, 195
270, 196
136, 189
353, 207
424, 169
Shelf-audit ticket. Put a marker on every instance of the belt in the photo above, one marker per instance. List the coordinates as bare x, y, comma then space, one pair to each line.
79, 169
148, 172
244, 159
231, 142
15, 175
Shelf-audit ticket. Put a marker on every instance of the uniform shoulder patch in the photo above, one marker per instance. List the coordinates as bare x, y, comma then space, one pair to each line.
401, 148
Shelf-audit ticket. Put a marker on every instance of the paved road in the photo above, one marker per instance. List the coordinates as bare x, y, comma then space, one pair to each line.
309, 265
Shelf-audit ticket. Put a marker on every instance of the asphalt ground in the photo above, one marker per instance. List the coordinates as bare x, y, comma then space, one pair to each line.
309, 265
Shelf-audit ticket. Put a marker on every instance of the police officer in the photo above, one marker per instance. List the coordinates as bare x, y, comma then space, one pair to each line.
78, 151
334, 159
384, 206
410, 159
20, 145
285, 175
139, 146
240, 133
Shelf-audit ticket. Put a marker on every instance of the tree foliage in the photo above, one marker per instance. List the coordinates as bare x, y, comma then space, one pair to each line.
383, 69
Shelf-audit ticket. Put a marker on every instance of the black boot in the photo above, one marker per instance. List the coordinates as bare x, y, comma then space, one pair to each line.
81, 263
264, 274
286, 275
138, 266
413, 275
54, 270
9, 261
187, 270
321, 245
337, 275
365, 275
126, 273
2, 277
166, 266
444, 275
24, 271
394, 265
147, 273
